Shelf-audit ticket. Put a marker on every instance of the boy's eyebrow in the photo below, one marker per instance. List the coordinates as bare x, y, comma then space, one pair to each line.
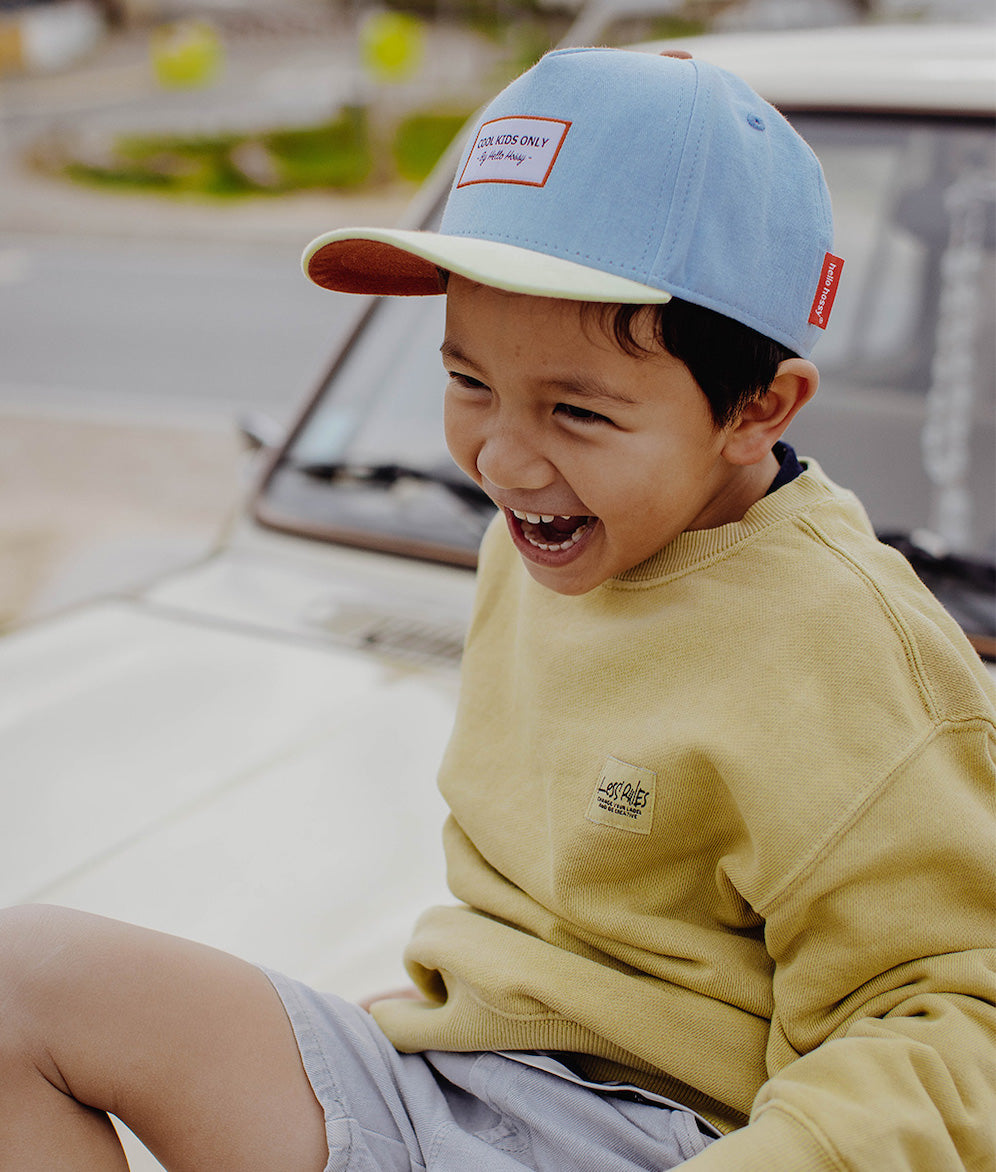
581, 386
451, 351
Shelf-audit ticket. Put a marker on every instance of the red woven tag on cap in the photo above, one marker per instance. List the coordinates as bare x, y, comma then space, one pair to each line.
826, 291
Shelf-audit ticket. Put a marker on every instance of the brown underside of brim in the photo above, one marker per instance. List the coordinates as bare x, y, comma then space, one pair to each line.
371, 266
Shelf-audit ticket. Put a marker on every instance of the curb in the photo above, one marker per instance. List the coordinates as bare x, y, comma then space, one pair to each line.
34, 204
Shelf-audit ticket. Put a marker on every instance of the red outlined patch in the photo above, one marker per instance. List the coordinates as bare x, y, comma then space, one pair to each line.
826, 291
516, 149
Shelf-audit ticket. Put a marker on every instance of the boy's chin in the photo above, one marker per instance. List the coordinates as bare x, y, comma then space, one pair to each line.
566, 589
569, 581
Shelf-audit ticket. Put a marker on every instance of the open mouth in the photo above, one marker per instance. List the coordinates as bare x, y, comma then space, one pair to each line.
551, 533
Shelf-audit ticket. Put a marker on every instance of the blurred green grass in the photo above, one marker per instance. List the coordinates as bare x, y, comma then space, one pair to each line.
338, 154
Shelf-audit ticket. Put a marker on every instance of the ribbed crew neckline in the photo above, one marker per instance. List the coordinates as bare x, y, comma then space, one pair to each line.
697, 547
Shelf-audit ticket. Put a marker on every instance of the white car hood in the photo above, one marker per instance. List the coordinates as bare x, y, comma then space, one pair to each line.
266, 792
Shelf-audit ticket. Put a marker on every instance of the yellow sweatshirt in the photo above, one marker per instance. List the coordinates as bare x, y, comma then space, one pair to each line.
725, 827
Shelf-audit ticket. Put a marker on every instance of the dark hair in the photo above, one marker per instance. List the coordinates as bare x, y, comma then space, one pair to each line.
732, 363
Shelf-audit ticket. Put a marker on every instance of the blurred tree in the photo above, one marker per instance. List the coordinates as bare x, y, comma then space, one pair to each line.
392, 45
187, 54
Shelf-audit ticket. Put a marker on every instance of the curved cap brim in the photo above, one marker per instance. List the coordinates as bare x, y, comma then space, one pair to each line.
399, 262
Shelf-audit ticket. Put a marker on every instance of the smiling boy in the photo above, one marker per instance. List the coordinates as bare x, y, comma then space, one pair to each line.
721, 780
615, 454
722, 775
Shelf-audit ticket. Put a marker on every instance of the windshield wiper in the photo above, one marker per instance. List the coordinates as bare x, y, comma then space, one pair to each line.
387, 475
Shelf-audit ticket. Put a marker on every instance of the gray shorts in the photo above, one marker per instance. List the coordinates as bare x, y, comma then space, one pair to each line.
451, 1112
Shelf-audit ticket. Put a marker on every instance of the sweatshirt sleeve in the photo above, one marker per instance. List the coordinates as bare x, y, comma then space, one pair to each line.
882, 1051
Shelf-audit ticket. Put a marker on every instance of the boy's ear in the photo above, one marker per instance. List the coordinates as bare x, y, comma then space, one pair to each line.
761, 424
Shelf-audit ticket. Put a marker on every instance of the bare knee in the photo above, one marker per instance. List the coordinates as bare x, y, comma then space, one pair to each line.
34, 940
42, 1125
60, 974
31, 938
190, 1047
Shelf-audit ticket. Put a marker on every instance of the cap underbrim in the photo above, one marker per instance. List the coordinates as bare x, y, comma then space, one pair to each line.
404, 263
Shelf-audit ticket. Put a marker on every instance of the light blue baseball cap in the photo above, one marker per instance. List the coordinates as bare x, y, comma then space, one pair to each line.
621, 176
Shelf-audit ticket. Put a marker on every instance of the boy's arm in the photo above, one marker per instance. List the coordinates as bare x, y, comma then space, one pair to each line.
883, 1041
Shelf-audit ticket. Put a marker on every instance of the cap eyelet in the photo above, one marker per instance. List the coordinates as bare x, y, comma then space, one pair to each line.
755, 121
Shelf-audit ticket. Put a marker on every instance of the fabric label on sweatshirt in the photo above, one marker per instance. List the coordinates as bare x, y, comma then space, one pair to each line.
624, 797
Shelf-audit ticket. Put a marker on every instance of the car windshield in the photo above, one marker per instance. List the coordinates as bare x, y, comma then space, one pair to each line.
904, 415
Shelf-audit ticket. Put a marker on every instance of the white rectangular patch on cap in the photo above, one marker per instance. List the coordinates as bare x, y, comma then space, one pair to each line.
522, 149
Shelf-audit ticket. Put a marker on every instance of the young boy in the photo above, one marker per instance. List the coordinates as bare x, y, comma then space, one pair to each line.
721, 779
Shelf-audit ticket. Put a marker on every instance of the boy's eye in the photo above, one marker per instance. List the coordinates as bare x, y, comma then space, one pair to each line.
580, 414
464, 380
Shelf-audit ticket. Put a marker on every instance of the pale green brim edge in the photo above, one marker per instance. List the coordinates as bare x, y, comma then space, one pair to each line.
503, 266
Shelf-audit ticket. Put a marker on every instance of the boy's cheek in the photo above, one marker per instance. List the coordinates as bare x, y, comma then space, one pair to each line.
458, 440
465, 461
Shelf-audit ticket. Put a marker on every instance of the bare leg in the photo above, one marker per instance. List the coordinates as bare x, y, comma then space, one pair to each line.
188, 1046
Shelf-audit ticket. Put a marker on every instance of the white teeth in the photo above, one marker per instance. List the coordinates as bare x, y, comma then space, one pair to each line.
546, 518
573, 539
536, 518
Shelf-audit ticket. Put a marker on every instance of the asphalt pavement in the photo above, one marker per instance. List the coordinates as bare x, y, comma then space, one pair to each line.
90, 503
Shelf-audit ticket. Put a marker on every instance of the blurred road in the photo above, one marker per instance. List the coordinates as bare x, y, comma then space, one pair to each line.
134, 330
159, 330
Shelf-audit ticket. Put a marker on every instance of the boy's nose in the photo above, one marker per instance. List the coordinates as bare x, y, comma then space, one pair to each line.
508, 459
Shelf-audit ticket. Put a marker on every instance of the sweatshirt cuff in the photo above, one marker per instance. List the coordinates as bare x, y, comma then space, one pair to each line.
775, 1139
